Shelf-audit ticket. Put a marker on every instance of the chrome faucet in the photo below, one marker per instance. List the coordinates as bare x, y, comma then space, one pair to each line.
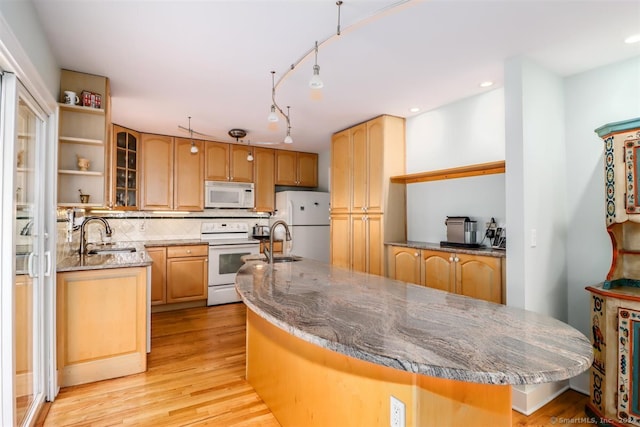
268, 252
83, 236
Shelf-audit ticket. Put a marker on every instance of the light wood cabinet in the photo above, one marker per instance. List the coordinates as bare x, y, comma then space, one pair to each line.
438, 270
158, 275
188, 176
172, 177
367, 244
83, 132
404, 264
364, 157
340, 234
296, 168
264, 174
217, 161
124, 150
227, 162
178, 273
277, 246
341, 172
156, 164
101, 324
187, 273
476, 276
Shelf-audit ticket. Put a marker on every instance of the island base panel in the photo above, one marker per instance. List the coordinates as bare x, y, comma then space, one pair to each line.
304, 384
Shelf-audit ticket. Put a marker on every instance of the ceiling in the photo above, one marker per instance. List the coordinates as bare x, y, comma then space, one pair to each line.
212, 60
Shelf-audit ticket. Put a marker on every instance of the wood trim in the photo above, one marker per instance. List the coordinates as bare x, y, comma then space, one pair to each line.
452, 173
307, 385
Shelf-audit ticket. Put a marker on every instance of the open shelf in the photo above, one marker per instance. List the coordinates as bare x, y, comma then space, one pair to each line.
83, 141
452, 173
76, 172
81, 109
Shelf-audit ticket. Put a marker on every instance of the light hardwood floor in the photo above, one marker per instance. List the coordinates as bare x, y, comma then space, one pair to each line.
195, 377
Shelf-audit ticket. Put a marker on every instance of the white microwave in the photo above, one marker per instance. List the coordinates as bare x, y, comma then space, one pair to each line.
222, 194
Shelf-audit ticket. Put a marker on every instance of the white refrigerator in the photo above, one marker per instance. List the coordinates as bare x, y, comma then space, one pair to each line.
307, 215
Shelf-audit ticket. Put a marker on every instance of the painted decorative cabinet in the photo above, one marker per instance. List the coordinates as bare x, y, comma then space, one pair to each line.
614, 382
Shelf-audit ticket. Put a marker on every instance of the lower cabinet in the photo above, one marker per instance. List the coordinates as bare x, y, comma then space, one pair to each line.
101, 321
357, 242
277, 246
178, 273
476, 276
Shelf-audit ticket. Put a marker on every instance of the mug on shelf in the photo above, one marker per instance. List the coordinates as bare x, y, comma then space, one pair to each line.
71, 98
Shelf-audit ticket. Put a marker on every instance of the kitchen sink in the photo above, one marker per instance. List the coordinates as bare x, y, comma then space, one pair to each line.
286, 259
111, 251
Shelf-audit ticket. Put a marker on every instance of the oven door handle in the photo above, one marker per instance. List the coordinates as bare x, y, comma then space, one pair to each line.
242, 246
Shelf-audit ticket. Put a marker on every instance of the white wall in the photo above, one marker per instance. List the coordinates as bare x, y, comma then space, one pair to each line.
463, 133
536, 187
592, 99
39, 67
466, 132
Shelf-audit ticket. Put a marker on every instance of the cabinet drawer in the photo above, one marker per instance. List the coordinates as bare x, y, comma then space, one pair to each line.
186, 251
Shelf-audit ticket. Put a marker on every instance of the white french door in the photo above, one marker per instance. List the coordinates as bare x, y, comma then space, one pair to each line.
25, 262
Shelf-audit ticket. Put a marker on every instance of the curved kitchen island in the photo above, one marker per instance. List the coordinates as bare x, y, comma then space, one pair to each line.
328, 346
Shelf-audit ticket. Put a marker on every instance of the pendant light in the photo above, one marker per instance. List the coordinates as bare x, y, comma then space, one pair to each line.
288, 139
249, 153
316, 82
194, 148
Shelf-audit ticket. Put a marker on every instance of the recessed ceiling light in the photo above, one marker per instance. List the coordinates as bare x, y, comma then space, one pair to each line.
632, 39
414, 109
486, 84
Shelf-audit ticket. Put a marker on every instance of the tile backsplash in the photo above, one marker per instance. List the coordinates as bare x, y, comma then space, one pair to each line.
143, 226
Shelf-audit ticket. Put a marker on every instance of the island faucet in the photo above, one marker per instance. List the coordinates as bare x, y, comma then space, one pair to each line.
83, 236
268, 252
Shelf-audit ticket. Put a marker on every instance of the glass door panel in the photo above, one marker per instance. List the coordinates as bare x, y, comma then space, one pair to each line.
28, 352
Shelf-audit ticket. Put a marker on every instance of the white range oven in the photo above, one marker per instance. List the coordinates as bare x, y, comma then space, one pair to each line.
228, 243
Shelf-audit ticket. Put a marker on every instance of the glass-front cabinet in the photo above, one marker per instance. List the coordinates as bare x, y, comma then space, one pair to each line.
124, 153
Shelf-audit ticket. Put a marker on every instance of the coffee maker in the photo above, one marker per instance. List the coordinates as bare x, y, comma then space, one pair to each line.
461, 232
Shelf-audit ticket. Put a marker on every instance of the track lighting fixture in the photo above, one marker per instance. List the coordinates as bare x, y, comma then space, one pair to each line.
273, 117
316, 82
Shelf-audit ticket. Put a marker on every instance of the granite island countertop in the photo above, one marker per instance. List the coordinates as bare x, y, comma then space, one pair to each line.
410, 327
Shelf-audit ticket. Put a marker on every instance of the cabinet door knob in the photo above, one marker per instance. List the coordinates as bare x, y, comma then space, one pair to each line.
456, 259
450, 259
416, 254
188, 251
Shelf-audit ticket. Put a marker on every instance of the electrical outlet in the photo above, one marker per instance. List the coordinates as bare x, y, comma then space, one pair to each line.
396, 418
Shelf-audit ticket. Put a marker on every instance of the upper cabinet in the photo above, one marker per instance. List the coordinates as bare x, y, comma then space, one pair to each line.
83, 131
296, 168
124, 151
172, 177
227, 162
363, 158
264, 176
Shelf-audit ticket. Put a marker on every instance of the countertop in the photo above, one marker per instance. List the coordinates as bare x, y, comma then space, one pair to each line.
71, 261
485, 250
74, 262
411, 327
